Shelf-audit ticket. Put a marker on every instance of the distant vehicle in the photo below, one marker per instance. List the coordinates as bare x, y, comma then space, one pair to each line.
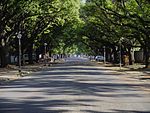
99, 58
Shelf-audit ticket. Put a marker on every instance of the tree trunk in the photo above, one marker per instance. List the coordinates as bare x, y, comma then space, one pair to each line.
4, 56
37, 54
130, 56
146, 55
115, 55
111, 55
30, 54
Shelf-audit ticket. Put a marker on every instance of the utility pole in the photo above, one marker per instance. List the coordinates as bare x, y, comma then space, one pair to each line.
120, 43
104, 54
45, 44
19, 56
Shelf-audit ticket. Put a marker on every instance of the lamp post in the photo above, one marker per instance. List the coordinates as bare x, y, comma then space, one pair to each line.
120, 60
104, 37
104, 54
19, 39
120, 54
45, 44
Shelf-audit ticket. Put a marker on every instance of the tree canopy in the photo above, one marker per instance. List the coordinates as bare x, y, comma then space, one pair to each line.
68, 25
108, 21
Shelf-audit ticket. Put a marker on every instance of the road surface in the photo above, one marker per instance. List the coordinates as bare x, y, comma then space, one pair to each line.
76, 86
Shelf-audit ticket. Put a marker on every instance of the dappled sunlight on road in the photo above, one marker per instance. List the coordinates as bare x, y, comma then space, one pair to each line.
74, 88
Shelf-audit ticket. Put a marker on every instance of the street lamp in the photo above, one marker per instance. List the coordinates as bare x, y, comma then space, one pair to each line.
19, 39
45, 44
104, 37
120, 43
104, 54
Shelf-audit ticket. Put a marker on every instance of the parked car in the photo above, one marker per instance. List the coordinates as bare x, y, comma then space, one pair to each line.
99, 58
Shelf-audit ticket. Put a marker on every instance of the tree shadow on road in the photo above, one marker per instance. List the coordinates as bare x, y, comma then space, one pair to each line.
65, 83
116, 111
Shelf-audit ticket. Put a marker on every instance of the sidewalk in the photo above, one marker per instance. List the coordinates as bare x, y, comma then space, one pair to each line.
11, 71
136, 70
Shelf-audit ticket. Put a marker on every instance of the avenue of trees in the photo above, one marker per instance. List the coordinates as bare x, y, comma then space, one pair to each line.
39, 21
114, 23
71, 25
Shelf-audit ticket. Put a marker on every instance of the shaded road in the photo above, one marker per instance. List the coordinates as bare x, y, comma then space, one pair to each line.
75, 87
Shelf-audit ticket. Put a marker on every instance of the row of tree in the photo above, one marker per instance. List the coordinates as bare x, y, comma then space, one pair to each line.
110, 23
39, 21
71, 25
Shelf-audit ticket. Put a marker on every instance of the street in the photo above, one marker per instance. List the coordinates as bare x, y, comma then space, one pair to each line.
77, 86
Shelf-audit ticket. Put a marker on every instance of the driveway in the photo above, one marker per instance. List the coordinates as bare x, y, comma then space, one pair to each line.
77, 86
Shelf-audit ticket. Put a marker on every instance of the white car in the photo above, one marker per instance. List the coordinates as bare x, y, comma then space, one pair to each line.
99, 58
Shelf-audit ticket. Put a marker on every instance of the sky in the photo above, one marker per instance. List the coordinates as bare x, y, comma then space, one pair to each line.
83, 1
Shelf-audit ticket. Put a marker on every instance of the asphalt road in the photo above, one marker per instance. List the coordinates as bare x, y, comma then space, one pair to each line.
75, 87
